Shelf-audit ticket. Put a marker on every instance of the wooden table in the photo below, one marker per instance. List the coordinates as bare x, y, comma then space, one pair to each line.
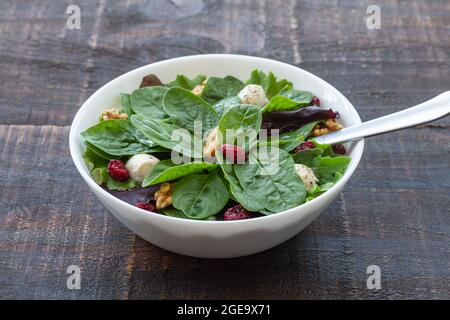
394, 213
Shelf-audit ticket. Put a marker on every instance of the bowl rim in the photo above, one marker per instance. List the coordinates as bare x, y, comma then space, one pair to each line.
74, 149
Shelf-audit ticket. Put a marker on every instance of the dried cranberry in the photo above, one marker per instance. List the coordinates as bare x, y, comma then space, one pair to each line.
232, 153
331, 114
339, 149
236, 213
118, 171
304, 146
146, 206
315, 101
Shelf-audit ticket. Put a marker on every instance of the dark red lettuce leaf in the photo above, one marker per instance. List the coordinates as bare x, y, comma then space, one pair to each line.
290, 120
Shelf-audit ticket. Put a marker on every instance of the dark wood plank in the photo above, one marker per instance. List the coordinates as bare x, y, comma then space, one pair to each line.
393, 213
404, 61
49, 221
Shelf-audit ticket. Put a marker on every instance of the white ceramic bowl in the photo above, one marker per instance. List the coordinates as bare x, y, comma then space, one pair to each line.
213, 239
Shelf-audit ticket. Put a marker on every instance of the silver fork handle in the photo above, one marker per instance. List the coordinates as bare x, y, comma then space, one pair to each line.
431, 110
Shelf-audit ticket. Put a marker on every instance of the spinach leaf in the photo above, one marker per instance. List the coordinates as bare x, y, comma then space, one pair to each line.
99, 152
167, 171
326, 186
319, 189
96, 166
223, 105
288, 141
112, 184
289, 100
306, 157
271, 180
325, 168
162, 132
148, 101
238, 193
200, 196
116, 138
238, 123
125, 102
173, 212
100, 175
326, 148
269, 82
220, 88
184, 108
93, 160
184, 82
314, 193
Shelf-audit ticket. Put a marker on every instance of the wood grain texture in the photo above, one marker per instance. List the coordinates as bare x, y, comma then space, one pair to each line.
395, 211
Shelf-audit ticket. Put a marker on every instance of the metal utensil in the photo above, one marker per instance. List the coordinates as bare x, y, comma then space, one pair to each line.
431, 110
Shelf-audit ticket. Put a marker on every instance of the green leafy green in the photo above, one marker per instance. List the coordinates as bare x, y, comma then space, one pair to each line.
223, 105
100, 175
168, 135
326, 186
112, 184
307, 156
289, 100
98, 169
185, 108
269, 82
327, 149
270, 179
288, 141
317, 190
325, 168
166, 170
240, 125
93, 160
173, 212
99, 152
184, 82
220, 88
117, 138
125, 102
238, 193
200, 196
148, 101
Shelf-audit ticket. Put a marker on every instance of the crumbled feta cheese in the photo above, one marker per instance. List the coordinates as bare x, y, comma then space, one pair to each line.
253, 94
140, 165
307, 175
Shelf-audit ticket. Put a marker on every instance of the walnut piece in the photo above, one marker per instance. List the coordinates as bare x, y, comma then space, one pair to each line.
113, 113
163, 196
328, 126
318, 131
333, 125
209, 150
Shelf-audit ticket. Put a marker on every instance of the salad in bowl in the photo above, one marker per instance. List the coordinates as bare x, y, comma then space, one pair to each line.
213, 148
